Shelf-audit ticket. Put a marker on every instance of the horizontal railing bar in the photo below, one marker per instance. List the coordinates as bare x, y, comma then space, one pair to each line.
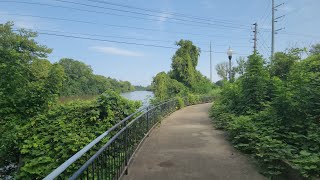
138, 146
80, 153
153, 107
86, 164
135, 119
76, 156
83, 167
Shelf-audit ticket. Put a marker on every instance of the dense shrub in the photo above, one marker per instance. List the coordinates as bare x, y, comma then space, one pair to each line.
180, 103
36, 134
275, 117
51, 138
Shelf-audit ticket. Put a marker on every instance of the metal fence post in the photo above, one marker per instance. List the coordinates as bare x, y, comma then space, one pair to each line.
126, 147
148, 121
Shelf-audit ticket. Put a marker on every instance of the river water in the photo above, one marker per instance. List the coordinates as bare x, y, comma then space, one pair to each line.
143, 96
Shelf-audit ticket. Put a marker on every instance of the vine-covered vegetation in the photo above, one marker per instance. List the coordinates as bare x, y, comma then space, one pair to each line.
272, 111
183, 78
52, 137
37, 133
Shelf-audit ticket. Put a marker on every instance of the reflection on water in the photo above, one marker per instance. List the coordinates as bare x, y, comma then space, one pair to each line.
143, 96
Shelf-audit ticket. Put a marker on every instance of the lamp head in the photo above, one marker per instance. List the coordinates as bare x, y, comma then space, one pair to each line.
230, 51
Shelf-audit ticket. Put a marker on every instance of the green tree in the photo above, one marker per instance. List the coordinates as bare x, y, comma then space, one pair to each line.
29, 85
254, 83
184, 63
187, 48
202, 85
80, 80
164, 87
78, 77
315, 49
241, 66
183, 76
283, 62
281, 65
222, 70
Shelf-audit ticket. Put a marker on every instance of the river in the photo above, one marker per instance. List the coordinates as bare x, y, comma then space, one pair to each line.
143, 96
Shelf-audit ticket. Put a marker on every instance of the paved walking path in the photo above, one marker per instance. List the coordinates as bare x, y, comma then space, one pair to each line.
186, 146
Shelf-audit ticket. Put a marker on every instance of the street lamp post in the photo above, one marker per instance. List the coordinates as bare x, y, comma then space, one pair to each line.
230, 51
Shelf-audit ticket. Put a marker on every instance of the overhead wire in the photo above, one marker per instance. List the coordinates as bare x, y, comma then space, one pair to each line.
114, 41
146, 14
167, 13
112, 14
122, 37
112, 25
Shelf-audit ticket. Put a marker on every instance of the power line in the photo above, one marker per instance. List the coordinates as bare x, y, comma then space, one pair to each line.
274, 31
112, 14
106, 40
264, 46
262, 29
121, 37
166, 12
118, 42
145, 14
110, 25
299, 34
263, 21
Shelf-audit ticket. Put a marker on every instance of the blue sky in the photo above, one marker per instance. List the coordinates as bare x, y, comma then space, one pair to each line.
229, 25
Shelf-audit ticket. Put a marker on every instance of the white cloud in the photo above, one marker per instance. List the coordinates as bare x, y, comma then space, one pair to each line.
117, 51
163, 17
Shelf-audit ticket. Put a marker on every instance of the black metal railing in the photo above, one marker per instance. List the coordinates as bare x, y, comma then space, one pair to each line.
108, 156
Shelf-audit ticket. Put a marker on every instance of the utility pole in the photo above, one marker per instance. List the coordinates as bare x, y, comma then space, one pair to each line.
210, 64
274, 20
272, 32
255, 37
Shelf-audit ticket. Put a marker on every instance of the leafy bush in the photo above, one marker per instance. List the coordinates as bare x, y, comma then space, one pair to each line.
275, 119
29, 85
243, 133
193, 99
180, 102
220, 115
164, 87
51, 138
307, 163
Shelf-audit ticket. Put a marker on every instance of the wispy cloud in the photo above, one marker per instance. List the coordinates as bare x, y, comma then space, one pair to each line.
116, 51
163, 17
